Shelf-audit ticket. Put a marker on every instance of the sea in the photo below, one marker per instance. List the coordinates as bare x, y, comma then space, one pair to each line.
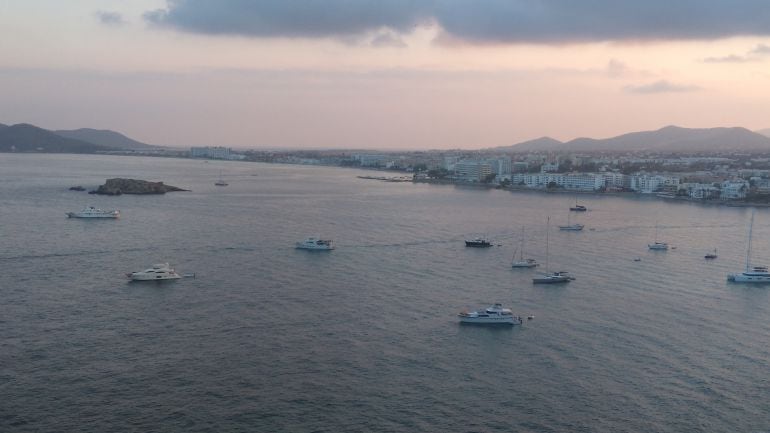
365, 338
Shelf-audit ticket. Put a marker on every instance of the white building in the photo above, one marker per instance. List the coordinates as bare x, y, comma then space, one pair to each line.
211, 152
734, 189
472, 171
648, 184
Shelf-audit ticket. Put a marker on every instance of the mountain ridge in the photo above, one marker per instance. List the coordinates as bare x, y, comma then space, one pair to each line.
104, 137
669, 138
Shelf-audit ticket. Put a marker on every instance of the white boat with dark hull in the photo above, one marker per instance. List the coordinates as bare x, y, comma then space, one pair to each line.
752, 274
316, 244
158, 272
578, 207
494, 315
92, 212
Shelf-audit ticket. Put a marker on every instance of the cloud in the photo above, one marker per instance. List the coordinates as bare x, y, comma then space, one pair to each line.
761, 50
661, 86
753, 55
616, 68
732, 58
543, 21
110, 18
290, 18
388, 40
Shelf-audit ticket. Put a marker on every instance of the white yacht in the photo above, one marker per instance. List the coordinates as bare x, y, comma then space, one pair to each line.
316, 244
554, 277
158, 272
494, 315
522, 262
752, 274
660, 246
92, 212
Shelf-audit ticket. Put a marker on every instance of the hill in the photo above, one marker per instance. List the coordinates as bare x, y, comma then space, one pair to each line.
765, 132
104, 137
670, 138
542, 144
23, 137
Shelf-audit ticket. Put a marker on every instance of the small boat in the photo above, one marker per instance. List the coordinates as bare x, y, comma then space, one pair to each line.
657, 246
478, 243
221, 181
578, 207
158, 272
553, 278
92, 212
315, 244
571, 227
638, 259
711, 255
494, 315
752, 274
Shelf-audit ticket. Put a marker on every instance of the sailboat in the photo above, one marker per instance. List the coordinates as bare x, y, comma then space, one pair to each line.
571, 227
578, 207
752, 274
522, 262
221, 181
711, 255
555, 277
657, 245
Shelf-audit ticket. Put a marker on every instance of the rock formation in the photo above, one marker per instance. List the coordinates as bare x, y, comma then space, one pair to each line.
120, 186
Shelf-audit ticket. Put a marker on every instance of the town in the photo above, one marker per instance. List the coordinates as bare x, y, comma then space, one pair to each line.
729, 177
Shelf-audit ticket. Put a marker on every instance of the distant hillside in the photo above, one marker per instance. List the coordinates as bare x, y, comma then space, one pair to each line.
23, 137
542, 144
104, 137
765, 132
3, 126
670, 138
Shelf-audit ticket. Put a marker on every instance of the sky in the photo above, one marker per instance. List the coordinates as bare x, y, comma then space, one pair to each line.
390, 75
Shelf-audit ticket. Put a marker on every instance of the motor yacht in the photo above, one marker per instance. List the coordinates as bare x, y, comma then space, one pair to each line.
478, 243
92, 212
494, 315
158, 272
315, 244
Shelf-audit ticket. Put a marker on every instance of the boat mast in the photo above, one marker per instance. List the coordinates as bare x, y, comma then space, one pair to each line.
522, 244
748, 250
547, 225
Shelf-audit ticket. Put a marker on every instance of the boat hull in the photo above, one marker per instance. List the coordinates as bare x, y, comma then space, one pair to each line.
489, 321
80, 215
153, 277
477, 244
551, 280
524, 265
753, 279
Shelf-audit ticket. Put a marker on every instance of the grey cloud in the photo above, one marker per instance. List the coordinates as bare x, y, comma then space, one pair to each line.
543, 21
290, 18
388, 40
110, 18
661, 86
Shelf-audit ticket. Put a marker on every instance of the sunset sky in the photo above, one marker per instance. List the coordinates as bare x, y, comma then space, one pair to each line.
386, 74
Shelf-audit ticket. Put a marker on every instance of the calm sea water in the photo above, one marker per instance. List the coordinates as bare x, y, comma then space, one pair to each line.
267, 338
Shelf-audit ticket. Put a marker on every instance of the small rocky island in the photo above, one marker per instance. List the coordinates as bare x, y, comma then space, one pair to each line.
120, 186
